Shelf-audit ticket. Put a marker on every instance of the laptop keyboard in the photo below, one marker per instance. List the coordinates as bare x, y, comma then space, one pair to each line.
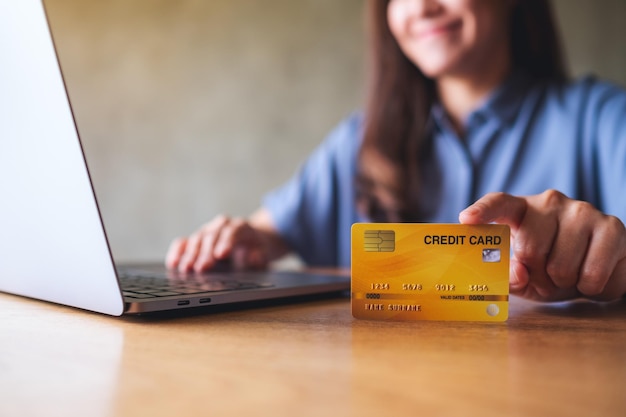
143, 285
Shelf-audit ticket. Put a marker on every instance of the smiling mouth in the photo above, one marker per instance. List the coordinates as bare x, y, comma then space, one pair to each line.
439, 29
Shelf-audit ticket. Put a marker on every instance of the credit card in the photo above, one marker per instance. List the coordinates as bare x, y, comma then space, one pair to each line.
425, 271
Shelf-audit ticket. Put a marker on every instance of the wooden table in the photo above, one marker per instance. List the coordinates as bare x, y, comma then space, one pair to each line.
311, 359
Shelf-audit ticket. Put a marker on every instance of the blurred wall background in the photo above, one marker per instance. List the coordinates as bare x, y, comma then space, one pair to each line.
190, 108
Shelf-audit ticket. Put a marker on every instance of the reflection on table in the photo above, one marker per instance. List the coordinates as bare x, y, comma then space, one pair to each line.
311, 358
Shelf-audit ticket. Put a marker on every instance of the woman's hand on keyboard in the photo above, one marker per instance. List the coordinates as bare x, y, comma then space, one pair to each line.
246, 243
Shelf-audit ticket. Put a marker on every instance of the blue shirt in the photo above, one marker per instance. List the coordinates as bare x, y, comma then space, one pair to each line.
526, 138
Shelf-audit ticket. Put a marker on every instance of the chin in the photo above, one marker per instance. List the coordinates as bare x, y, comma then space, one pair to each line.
435, 72
435, 68
434, 63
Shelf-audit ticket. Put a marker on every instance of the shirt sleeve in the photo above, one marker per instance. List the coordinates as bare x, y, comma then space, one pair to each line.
308, 209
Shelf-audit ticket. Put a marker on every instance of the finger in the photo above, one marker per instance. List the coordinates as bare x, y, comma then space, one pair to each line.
518, 277
238, 233
210, 235
522, 286
519, 281
246, 258
495, 207
242, 245
602, 257
528, 261
535, 238
191, 252
175, 252
206, 258
570, 244
616, 286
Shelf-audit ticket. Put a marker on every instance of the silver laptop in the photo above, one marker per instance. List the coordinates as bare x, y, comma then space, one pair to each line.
53, 245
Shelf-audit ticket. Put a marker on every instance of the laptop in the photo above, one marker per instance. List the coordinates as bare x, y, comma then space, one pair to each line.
53, 245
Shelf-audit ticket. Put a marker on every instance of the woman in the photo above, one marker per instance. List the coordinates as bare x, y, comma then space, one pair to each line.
468, 100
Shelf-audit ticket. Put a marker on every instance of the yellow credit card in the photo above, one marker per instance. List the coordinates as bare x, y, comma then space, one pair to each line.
420, 271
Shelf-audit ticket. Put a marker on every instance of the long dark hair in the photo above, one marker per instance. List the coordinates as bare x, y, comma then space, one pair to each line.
399, 101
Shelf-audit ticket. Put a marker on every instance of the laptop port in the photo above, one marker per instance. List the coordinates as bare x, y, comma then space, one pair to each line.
183, 302
205, 300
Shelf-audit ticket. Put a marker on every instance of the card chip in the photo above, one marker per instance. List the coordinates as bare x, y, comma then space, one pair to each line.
379, 241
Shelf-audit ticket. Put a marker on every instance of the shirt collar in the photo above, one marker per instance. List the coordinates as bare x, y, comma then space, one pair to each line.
501, 105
